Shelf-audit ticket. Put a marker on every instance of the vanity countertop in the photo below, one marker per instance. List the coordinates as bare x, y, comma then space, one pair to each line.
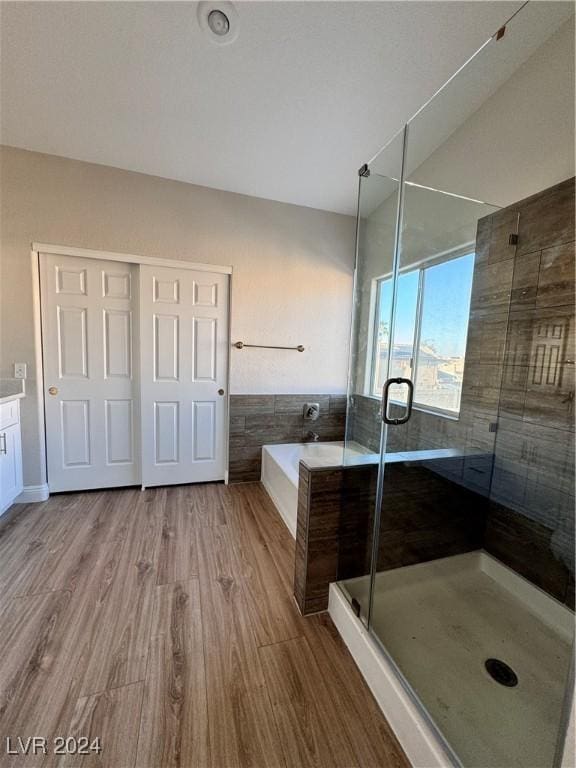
11, 389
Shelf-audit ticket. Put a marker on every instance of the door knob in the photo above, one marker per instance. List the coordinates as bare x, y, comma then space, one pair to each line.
220, 392
52, 390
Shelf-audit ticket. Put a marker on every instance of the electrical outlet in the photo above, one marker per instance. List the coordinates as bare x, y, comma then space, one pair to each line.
19, 370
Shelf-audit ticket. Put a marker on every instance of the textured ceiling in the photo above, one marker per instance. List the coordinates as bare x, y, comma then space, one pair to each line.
289, 111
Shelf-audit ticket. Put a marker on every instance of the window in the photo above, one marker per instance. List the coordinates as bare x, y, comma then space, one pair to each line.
433, 305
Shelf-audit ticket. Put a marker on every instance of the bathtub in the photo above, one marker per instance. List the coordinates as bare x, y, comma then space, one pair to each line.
280, 468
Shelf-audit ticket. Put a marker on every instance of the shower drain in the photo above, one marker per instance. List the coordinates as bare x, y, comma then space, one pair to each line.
501, 672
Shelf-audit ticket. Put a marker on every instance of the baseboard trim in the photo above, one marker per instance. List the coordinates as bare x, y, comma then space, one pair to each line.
33, 493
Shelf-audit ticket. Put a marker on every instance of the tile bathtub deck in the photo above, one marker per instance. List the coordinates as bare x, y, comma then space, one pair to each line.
163, 622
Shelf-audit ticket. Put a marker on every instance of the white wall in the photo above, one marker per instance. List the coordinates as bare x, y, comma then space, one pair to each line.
292, 277
519, 142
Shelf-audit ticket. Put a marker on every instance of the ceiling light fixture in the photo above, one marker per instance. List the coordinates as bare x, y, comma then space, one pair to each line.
219, 21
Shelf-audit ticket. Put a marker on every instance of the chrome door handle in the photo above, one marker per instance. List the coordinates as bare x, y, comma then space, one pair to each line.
386, 394
3, 446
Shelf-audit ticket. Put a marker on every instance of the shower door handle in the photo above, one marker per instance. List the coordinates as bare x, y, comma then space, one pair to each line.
386, 394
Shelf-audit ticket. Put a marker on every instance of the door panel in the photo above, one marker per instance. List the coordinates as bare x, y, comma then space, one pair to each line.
166, 352
118, 343
75, 432
119, 432
205, 293
91, 400
72, 342
166, 291
204, 338
204, 430
184, 359
71, 281
166, 432
116, 284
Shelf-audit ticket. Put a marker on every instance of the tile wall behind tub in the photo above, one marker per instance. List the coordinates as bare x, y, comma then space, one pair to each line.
257, 420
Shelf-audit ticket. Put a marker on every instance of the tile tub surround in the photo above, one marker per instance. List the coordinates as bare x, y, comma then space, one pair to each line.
326, 497
425, 516
257, 420
281, 466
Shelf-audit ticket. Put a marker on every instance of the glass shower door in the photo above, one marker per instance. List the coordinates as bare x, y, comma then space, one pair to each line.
474, 541
378, 211
471, 573
440, 407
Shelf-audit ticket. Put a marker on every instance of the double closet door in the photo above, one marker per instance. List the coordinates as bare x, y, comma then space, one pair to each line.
135, 373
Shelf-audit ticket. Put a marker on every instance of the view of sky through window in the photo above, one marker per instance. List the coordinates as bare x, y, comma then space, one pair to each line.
436, 322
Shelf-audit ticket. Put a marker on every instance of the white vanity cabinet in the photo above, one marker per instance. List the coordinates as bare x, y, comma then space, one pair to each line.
10, 453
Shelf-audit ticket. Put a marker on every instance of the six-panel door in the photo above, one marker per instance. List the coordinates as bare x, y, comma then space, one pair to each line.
183, 374
91, 405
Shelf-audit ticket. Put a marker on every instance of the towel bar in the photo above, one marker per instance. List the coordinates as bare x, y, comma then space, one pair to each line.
241, 345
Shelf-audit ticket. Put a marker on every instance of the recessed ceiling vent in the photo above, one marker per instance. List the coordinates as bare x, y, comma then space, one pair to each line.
218, 21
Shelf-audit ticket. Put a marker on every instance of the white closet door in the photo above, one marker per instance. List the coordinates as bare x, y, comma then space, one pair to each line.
91, 401
183, 374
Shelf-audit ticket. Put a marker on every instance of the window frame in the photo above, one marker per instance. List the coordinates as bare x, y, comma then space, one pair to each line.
421, 267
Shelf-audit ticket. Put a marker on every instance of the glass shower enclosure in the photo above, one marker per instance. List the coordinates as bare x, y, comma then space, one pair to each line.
461, 394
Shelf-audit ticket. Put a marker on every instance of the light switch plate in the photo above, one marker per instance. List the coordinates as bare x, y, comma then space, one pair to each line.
19, 370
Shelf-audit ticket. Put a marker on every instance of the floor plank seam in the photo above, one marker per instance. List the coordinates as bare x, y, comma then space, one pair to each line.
87, 694
134, 764
280, 642
40, 594
190, 577
202, 623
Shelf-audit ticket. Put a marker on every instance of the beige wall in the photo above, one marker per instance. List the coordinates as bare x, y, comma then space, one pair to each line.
292, 277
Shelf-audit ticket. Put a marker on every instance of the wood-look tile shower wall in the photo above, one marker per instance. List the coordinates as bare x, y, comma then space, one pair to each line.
512, 492
531, 515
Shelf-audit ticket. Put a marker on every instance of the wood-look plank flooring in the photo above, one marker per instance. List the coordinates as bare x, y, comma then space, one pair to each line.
162, 621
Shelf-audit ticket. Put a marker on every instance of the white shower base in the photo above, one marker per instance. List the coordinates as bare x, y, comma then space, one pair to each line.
439, 621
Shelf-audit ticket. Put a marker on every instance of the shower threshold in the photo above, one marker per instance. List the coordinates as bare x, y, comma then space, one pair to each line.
440, 622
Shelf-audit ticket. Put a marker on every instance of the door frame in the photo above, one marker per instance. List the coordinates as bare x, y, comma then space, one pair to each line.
88, 253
